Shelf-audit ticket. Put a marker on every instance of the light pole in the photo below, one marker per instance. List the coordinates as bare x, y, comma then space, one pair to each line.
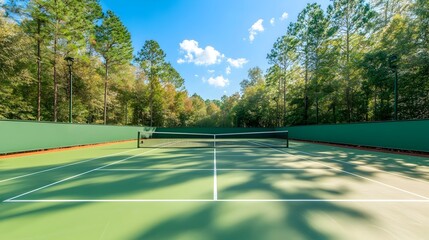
70, 61
393, 62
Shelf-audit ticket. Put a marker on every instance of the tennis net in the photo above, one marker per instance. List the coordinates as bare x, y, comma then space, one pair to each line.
268, 139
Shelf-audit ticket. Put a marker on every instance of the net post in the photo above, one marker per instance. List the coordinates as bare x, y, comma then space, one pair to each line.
138, 139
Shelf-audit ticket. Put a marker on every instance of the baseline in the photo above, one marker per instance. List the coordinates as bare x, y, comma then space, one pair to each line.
209, 169
220, 200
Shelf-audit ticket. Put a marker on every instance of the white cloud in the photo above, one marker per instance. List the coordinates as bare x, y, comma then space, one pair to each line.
237, 63
272, 21
228, 70
218, 81
211, 71
284, 16
255, 29
194, 54
196, 75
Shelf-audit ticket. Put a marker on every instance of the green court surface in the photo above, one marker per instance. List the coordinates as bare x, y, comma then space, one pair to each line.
307, 191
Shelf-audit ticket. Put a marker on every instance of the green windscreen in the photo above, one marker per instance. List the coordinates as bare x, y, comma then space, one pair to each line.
20, 136
402, 135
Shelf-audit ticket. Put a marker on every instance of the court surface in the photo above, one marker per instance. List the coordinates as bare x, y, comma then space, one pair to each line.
307, 191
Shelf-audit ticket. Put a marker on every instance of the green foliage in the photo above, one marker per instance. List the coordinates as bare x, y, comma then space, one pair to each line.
330, 66
113, 41
15, 76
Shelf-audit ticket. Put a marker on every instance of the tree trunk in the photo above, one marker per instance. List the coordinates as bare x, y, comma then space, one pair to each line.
386, 10
278, 120
348, 84
55, 66
375, 104
39, 71
106, 77
306, 93
151, 89
284, 101
334, 114
126, 113
317, 108
55, 80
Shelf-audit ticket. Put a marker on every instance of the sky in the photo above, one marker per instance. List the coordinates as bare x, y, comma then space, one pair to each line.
211, 43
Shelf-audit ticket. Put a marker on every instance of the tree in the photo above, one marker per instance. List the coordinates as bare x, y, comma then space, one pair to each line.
283, 54
151, 59
350, 20
15, 76
252, 110
255, 76
113, 43
310, 32
35, 24
387, 9
171, 76
228, 105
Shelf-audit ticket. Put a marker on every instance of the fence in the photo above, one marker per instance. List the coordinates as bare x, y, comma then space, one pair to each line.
402, 135
19, 136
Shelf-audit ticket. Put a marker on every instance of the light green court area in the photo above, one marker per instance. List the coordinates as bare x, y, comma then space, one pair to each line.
307, 191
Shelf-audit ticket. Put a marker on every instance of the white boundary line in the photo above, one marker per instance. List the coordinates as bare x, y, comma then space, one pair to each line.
178, 133
220, 200
63, 166
154, 169
250, 133
210, 169
359, 176
214, 134
214, 175
77, 175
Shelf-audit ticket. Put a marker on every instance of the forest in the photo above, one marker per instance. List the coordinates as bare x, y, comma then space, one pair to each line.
334, 65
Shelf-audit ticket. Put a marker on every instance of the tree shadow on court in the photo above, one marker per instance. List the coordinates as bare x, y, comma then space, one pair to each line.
43, 175
258, 220
296, 217
350, 159
40, 178
213, 220
94, 185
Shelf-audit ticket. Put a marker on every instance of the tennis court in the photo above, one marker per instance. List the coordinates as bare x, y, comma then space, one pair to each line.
256, 191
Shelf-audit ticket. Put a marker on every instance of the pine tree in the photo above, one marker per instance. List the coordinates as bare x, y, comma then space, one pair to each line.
113, 43
310, 32
283, 55
351, 20
151, 59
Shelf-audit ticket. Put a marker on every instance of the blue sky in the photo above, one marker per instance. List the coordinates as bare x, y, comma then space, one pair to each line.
211, 43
